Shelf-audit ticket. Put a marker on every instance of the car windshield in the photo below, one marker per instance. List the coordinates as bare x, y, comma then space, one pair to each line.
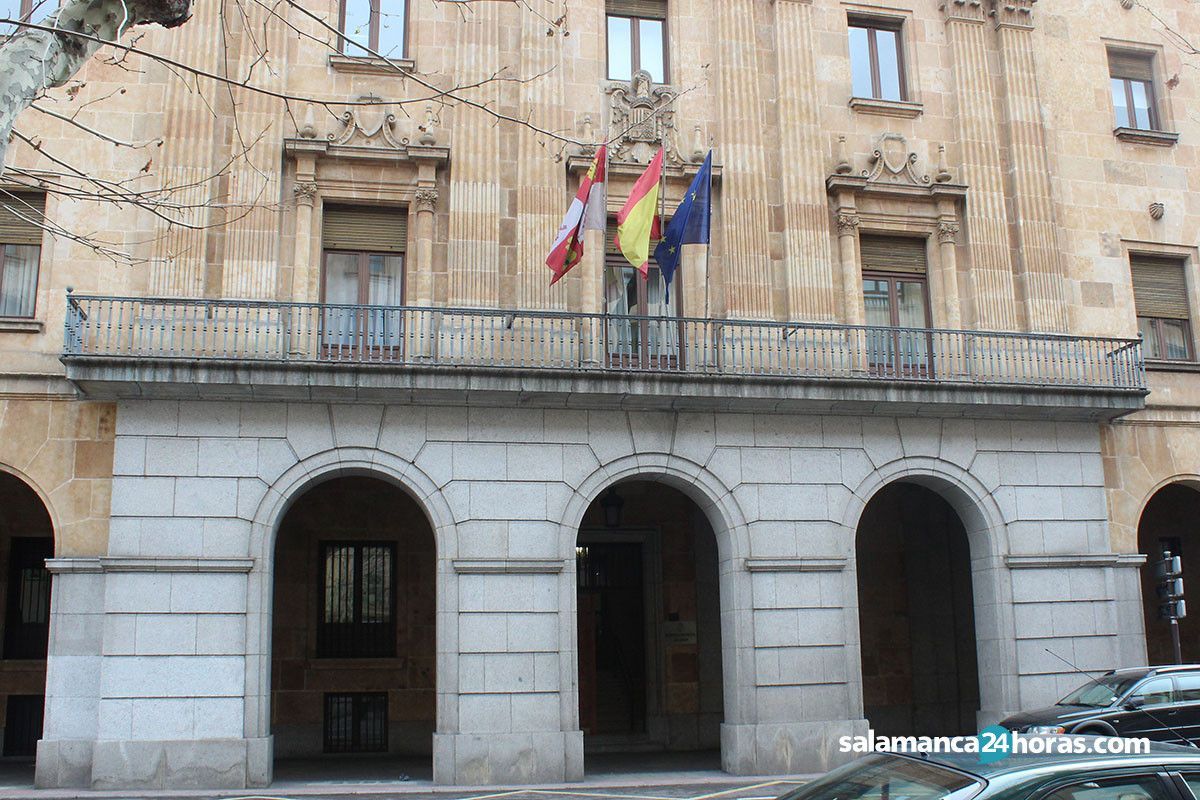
1100, 693
888, 777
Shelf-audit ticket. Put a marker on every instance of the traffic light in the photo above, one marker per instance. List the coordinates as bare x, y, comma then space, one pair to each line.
1168, 573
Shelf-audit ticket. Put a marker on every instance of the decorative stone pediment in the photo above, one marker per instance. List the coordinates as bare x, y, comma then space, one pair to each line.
641, 118
894, 162
367, 127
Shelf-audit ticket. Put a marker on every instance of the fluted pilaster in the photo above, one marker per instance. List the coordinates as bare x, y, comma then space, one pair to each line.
476, 193
745, 224
990, 277
1039, 264
809, 264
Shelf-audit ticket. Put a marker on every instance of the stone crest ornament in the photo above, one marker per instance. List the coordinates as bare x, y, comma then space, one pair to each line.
893, 162
356, 129
1157, 210
641, 117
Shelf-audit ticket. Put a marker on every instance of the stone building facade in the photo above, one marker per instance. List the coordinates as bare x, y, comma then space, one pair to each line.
333, 468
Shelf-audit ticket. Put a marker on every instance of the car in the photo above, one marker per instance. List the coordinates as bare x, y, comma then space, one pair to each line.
1159, 703
1165, 772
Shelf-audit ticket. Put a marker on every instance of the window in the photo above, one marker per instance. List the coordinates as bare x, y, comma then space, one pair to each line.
366, 24
1187, 688
1161, 300
637, 39
1154, 692
633, 342
895, 295
27, 621
21, 251
1129, 787
1131, 76
356, 722
876, 59
363, 284
357, 601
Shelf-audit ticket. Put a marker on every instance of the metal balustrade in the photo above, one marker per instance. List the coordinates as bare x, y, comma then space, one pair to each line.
310, 333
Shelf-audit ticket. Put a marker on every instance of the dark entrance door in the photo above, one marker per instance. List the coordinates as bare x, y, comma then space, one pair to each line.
612, 638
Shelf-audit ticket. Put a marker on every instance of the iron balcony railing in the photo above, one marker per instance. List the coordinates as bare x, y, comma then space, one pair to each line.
311, 333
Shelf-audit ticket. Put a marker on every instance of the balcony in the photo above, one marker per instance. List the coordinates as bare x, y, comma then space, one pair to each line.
137, 347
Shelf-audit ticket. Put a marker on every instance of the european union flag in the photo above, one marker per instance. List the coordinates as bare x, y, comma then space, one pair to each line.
690, 225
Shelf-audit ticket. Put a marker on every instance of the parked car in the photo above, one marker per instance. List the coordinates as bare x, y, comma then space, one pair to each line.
1159, 703
1167, 772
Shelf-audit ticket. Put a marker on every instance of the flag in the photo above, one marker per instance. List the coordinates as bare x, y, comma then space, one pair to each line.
690, 225
638, 220
587, 212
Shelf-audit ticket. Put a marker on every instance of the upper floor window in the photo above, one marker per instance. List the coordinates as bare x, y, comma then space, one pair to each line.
363, 266
877, 59
1131, 77
20, 251
1161, 299
896, 297
637, 39
380, 25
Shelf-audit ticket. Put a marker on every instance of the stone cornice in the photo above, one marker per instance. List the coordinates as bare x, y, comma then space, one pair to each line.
1074, 560
414, 153
964, 11
508, 566
1012, 14
95, 564
860, 184
798, 564
579, 164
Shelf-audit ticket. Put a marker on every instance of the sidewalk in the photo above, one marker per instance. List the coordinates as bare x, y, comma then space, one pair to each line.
606, 781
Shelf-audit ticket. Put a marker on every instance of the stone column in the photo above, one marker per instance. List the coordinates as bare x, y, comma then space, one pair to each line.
1039, 265
305, 274
809, 265
851, 284
947, 313
745, 199
425, 203
991, 289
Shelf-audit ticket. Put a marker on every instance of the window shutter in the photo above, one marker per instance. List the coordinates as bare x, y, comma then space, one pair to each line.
1131, 64
1159, 287
892, 253
378, 230
18, 211
644, 9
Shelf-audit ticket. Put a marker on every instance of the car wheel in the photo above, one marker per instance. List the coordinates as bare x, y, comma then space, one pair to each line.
1095, 730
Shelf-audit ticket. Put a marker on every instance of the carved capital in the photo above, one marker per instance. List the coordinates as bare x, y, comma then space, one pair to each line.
946, 232
964, 10
305, 192
426, 200
847, 223
1013, 13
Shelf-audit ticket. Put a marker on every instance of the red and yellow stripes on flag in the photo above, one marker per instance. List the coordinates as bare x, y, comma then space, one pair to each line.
638, 221
587, 212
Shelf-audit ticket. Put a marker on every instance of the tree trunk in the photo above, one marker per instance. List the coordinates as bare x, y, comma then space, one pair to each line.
33, 60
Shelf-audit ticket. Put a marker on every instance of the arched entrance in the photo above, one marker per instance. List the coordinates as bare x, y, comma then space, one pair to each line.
916, 615
353, 648
649, 626
26, 541
1168, 522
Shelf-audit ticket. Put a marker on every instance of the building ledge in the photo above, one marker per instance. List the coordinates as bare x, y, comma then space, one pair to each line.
1164, 365
370, 65
887, 108
21, 325
117, 378
1140, 136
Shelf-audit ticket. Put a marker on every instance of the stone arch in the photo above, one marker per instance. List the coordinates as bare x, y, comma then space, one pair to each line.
1162, 517
728, 522
987, 535
55, 519
280, 495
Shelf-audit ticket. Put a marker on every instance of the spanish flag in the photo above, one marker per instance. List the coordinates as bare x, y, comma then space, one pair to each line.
637, 221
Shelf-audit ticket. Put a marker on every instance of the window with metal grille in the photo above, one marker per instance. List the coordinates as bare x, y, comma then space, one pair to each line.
1160, 298
20, 251
356, 722
877, 59
1131, 77
381, 25
27, 622
23, 715
358, 596
637, 39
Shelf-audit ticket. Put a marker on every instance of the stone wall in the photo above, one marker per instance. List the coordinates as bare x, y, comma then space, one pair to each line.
201, 486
